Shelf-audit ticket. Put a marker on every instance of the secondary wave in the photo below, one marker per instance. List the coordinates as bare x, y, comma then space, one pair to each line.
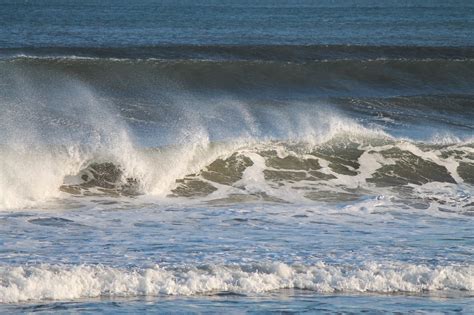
62, 282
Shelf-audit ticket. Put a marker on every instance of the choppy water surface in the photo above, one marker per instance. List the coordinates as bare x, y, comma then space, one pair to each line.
260, 174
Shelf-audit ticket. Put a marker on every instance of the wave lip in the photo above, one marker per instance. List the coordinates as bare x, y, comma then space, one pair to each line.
62, 282
293, 53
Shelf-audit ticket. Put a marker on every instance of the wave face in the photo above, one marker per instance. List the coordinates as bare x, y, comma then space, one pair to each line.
268, 71
340, 170
276, 123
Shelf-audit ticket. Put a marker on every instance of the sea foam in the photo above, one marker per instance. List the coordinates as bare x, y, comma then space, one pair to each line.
64, 282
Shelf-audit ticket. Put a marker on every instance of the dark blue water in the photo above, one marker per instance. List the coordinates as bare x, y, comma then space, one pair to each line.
148, 22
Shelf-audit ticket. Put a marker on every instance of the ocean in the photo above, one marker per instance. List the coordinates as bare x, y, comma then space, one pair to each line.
236, 156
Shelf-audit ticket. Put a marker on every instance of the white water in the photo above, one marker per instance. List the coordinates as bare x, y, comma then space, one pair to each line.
74, 282
51, 135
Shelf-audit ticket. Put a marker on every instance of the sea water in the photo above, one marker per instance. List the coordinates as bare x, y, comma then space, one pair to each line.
239, 157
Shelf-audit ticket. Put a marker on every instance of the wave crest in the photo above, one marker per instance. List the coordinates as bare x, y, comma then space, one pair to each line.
61, 282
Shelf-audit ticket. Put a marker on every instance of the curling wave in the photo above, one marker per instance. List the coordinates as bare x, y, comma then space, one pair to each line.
344, 168
278, 124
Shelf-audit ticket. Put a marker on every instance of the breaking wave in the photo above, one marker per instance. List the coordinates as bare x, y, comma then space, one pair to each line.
279, 124
62, 282
342, 169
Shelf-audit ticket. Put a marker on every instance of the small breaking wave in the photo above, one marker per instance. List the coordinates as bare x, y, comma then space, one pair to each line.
65, 282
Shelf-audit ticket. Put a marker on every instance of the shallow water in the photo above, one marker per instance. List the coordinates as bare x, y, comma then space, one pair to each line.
280, 301
254, 251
